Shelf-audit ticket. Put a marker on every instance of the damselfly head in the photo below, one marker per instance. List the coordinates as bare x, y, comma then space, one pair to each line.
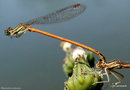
99, 64
8, 31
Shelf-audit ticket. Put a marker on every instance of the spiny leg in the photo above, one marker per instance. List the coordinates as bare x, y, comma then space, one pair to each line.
102, 74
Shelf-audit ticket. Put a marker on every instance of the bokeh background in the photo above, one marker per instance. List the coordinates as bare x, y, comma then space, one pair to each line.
34, 61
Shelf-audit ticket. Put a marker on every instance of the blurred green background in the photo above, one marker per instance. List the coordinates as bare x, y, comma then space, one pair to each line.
34, 61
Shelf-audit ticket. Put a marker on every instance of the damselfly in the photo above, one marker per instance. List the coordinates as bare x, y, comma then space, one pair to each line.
61, 15
58, 16
109, 68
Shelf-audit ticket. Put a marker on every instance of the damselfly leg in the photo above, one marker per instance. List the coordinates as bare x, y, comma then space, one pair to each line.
109, 68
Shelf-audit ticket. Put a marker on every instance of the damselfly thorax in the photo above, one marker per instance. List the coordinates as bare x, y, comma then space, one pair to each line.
17, 31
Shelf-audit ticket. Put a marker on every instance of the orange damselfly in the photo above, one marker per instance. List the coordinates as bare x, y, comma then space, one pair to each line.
61, 15
109, 67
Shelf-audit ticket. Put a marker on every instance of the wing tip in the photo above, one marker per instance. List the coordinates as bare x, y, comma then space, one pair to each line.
79, 5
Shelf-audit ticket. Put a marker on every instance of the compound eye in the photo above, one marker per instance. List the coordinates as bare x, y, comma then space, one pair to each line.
100, 60
9, 28
8, 31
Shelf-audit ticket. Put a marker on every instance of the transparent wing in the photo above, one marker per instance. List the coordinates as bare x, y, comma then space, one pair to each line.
61, 15
121, 61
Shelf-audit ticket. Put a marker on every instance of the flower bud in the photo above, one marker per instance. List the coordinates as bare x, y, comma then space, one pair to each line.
66, 46
78, 53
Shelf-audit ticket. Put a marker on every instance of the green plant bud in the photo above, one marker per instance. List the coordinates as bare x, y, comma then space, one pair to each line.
68, 71
81, 74
68, 66
83, 77
90, 58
